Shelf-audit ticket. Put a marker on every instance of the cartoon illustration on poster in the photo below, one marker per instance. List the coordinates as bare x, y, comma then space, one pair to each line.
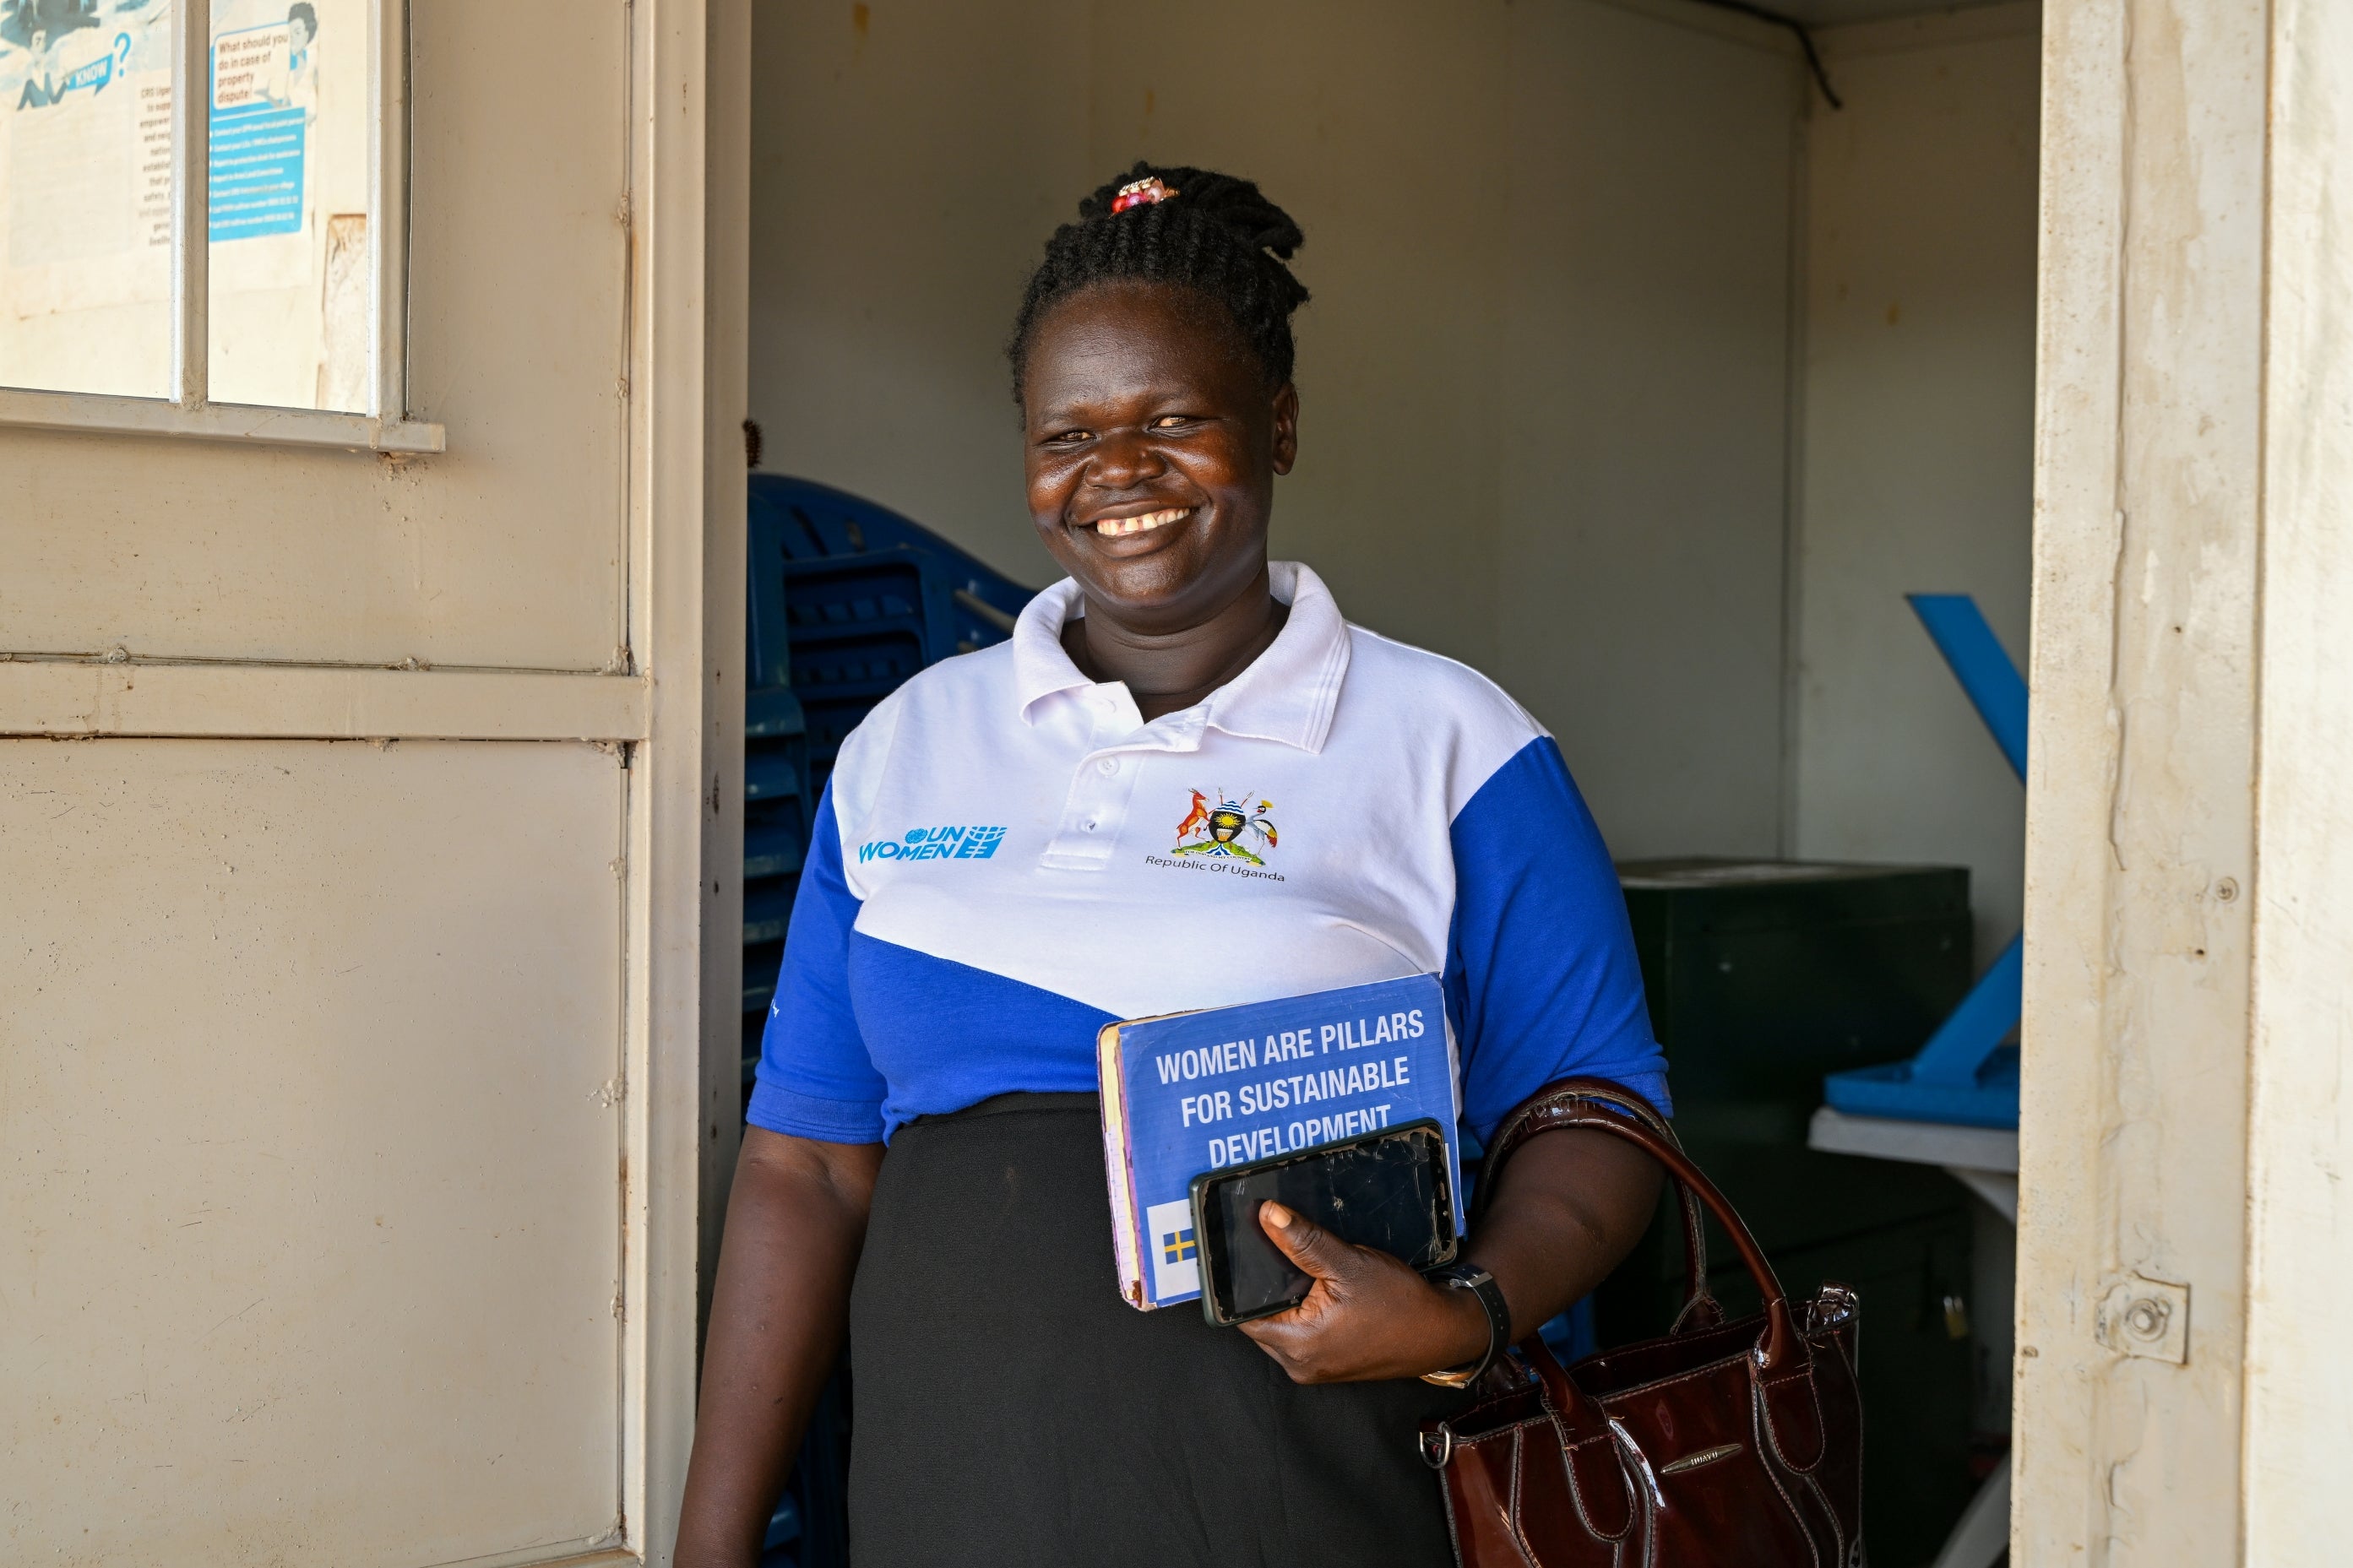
85, 115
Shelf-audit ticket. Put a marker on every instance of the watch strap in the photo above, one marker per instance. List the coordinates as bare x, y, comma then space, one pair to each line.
1479, 1282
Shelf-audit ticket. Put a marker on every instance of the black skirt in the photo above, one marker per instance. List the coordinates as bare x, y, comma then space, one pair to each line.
1010, 1408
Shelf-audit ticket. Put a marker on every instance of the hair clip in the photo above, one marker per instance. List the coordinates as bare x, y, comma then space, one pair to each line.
1140, 194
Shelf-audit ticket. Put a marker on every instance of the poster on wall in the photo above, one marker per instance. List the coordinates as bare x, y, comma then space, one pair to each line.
86, 197
86, 151
264, 97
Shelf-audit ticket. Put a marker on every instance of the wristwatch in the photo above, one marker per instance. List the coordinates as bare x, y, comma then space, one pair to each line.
1478, 1281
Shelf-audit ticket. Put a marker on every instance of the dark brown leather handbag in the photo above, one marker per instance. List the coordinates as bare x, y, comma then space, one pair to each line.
1723, 1442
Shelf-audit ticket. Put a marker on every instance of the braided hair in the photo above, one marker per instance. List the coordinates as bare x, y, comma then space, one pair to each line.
1214, 235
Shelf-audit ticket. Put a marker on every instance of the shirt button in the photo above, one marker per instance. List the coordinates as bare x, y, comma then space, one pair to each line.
1108, 765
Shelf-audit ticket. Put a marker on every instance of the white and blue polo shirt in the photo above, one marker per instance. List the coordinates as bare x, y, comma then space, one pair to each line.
1007, 857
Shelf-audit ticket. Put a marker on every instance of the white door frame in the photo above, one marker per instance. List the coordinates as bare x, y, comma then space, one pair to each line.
2182, 1388
690, 196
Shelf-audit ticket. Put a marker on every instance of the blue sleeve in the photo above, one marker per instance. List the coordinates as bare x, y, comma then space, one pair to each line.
1541, 978
815, 1078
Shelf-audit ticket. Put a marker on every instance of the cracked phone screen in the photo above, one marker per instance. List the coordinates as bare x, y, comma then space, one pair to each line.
1386, 1190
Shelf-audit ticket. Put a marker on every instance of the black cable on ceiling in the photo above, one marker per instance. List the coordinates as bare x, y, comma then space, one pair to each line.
1805, 39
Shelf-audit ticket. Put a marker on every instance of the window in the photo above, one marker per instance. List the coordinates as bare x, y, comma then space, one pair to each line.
227, 262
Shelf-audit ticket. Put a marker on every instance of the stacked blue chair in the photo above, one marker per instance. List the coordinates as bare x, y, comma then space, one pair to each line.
846, 600
854, 598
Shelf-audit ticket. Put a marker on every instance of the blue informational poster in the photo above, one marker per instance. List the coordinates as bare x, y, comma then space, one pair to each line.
257, 180
258, 132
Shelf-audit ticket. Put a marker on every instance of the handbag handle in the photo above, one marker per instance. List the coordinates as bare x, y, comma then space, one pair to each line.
1595, 1448
1525, 1120
1606, 1107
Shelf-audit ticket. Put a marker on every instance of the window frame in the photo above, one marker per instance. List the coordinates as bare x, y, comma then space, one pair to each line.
189, 412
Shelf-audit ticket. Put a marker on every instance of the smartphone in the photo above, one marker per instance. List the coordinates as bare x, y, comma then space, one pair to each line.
1387, 1189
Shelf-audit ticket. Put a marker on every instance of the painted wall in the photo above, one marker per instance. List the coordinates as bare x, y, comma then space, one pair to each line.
353, 847
314, 1211
1645, 368
1544, 375
1917, 440
908, 160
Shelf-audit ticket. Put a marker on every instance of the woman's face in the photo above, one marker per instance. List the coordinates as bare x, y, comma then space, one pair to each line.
1152, 441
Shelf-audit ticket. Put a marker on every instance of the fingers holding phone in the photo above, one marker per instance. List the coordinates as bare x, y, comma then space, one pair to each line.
1365, 1316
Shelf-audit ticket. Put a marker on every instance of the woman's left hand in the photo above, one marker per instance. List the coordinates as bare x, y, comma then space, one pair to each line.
1367, 1315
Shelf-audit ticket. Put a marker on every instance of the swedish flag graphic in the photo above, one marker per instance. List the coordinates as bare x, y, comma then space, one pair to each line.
1171, 1247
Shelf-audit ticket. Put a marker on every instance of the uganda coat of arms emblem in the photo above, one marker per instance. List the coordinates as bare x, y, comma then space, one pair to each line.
1217, 831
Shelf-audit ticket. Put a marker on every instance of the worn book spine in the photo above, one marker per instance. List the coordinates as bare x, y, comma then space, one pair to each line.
1121, 1174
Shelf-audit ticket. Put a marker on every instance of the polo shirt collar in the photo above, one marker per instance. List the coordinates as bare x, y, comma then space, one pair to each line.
1287, 694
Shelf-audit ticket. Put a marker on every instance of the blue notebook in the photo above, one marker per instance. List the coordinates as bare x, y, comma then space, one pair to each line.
1188, 1093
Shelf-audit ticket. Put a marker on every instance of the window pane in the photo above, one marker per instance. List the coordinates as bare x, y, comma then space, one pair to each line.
290, 318
85, 196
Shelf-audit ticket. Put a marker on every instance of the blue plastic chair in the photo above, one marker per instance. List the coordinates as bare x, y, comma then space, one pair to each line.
1968, 1072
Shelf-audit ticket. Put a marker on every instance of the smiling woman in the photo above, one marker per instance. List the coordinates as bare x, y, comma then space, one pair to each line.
1152, 357
1011, 1408
1153, 446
